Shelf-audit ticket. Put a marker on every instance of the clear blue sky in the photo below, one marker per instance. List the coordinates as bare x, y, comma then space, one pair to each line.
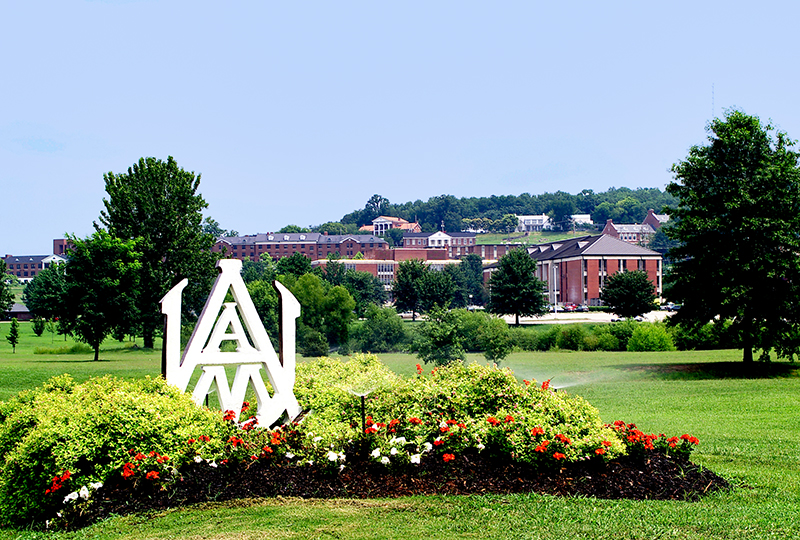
297, 112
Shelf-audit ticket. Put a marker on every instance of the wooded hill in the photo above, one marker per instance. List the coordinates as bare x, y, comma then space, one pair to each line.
623, 205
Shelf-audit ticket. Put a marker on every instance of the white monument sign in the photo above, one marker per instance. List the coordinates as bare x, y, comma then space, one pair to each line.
222, 321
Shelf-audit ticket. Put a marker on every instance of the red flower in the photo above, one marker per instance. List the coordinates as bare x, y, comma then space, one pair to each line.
559, 455
606, 443
563, 438
191, 441
509, 418
448, 457
245, 405
437, 443
127, 470
415, 420
162, 459
370, 430
203, 438
393, 422
419, 369
546, 384
462, 425
538, 430
600, 451
542, 446
139, 456
152, 475
526, 382
492, 420
444, 429
229, 415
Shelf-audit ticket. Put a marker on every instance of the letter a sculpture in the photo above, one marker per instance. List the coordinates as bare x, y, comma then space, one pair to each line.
211, 330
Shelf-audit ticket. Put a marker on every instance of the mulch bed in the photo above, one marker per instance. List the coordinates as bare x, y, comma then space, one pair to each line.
653, 476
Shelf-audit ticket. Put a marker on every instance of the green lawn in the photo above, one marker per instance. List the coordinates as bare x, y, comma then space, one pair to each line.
749, 430
532, 238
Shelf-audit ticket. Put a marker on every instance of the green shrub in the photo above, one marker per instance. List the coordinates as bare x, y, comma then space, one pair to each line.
470, 324
383, 331
713, 335
38, 325
650, 337
524, 339
622, 331
494, 339
88, 430
570, 337
313, 344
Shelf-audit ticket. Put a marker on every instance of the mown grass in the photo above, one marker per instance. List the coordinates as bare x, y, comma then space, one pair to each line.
747, 423
539, 237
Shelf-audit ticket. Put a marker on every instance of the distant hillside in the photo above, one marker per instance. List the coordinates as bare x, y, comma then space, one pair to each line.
623, 205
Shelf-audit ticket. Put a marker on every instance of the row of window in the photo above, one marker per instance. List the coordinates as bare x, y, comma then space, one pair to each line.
20, 266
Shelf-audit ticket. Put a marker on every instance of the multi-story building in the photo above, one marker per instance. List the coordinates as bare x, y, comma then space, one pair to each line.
381, 224
637, 233
575, 270
655, 220
26, 267
312, 245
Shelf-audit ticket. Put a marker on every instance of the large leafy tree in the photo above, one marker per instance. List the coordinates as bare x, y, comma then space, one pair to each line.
44, 294
738, 219
629, 294
434, 289
157, 202
404, 288
514, 288
101, 287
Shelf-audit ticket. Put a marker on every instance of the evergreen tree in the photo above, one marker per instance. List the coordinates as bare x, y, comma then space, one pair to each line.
13, 335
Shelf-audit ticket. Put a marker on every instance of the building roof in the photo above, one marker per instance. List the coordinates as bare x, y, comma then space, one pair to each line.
429, 234
316, 238
602, 245
640, 228
32, 258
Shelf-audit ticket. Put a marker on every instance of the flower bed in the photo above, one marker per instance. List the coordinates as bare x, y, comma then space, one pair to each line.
73, 453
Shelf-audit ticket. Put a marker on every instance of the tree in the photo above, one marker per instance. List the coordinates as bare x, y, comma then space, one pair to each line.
297, 265
157, 202
394, 237
6, 296
212, 227
293, 229
514, 288
13, 335
737, 219
44, 294
629, 294
471, 268
434, 289
406, 296
365, 289
102, 287
438, 340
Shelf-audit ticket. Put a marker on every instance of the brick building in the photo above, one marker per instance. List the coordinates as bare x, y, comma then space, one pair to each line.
637, 233
575, 269
312, 245
26, 267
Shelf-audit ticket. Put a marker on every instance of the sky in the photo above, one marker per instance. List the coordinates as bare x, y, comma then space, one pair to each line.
298, 112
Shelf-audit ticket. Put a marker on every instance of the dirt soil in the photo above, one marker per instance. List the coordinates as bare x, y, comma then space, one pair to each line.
653, 476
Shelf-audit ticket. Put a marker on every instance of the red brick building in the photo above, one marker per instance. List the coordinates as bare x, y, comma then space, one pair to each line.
26, 267
575, 269
312, 245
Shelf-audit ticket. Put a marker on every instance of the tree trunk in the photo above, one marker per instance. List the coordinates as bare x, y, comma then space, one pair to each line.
516, 323
747, 345
147, 337
97, 352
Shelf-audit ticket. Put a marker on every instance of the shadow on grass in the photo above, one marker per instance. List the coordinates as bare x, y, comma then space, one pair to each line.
717, 370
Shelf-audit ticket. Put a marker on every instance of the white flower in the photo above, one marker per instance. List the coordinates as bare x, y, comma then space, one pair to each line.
443, 424
84, 493
398, 440
198, 459
332, 456
71, 497
96, 485
310, 462
341, 467
289, 455
212, 464
317, 439
393, 451
427, 446
385, 460
375, 453
341, 456
480, 446
415, 459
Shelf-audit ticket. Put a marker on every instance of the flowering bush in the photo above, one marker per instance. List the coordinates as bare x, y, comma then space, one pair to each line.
82, 433
61, 443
